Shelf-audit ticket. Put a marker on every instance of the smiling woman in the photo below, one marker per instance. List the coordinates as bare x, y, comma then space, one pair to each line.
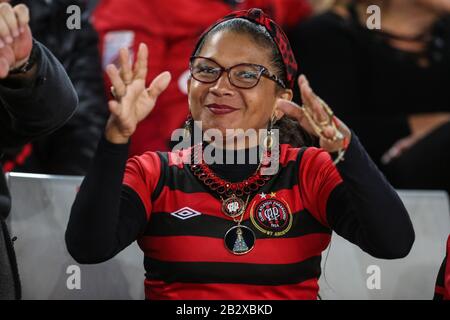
229, 231
222, 102
255, 106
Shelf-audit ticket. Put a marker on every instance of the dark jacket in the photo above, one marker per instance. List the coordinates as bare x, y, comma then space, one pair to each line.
370, 85
70, 149
29, 110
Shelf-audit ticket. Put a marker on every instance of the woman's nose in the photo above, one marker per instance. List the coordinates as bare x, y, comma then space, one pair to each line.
222, 86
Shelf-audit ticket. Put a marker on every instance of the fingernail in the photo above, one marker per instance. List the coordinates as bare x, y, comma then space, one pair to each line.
22, 29
385, 159
394, 152
16, 33
9, 39
302, 81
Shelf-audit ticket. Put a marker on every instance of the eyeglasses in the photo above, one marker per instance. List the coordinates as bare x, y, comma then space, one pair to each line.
243, 75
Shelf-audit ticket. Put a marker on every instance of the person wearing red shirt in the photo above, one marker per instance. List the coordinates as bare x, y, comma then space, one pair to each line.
215, 230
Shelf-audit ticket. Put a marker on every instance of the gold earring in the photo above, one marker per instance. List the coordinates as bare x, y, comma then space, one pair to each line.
187, 127
268, 140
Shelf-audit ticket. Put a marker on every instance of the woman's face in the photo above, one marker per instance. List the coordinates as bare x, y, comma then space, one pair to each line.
220, 105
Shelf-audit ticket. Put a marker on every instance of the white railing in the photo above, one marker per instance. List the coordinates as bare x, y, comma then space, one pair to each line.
40, 210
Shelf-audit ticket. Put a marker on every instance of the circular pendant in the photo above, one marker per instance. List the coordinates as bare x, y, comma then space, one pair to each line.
233, 206
240, 240
272, 217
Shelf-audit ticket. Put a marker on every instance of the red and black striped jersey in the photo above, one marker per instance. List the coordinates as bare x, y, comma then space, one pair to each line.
178, 223
442, 291
183, 243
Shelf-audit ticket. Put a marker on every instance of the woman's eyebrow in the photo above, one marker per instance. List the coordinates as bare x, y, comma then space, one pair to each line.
231, 65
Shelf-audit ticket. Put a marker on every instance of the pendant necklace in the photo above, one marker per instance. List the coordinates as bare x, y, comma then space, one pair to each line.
239, 239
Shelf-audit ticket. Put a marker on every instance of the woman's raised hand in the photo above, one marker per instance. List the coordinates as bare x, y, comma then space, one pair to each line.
133, 101
317, 118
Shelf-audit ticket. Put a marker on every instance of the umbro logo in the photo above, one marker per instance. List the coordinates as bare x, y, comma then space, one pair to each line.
185, 213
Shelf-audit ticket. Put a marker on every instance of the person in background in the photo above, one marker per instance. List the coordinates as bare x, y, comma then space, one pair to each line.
171, 29
36, 98
320, 6
442, 289
69, 150
390, 85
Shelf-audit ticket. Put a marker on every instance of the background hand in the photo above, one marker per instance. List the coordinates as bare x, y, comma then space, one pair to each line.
16, 40
421, 125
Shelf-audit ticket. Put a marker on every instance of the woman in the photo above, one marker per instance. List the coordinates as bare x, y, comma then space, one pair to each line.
224, 231
390, 84
172, 27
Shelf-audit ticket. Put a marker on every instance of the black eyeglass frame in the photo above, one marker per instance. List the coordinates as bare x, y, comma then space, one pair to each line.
263, 72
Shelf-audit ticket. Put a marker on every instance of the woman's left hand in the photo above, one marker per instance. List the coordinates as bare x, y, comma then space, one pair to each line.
317, 118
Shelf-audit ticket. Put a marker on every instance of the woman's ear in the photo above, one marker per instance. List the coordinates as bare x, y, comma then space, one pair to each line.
286, 94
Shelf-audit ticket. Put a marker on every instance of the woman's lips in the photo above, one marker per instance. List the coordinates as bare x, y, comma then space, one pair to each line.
220, 108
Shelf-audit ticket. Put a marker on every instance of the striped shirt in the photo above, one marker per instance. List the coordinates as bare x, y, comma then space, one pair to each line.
185, 258
156, 200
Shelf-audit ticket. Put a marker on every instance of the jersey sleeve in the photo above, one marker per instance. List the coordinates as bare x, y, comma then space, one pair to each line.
318, 176
142, 174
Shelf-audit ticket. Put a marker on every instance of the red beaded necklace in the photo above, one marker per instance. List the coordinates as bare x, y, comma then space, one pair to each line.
231, 191
238, 239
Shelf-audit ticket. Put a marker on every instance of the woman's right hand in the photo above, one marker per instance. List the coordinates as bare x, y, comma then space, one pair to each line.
133, 101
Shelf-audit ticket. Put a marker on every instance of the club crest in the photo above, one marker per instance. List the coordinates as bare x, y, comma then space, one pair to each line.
271, 216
